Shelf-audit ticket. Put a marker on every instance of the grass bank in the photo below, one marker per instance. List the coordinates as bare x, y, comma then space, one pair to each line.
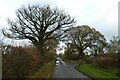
46, 71
96, 72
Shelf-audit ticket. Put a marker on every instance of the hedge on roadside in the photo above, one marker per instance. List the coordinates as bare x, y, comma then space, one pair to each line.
21, 63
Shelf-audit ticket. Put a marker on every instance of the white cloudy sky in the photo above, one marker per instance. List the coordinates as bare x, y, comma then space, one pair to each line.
100, 14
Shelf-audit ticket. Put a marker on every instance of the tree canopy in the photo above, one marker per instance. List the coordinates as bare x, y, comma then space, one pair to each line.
39, 24
84, 37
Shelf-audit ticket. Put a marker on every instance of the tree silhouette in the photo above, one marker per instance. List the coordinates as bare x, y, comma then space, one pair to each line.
39, 24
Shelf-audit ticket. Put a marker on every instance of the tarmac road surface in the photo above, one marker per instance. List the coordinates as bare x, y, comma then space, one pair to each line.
67, 70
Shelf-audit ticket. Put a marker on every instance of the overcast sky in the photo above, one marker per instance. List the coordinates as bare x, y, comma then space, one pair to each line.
100, 14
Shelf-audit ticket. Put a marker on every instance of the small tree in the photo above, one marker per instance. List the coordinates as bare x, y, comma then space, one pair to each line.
39, 24
113, 45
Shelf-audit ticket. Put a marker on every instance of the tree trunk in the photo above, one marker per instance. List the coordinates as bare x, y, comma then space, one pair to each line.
81, 54
40, 47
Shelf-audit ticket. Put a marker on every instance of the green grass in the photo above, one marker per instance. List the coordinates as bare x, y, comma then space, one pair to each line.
46, 71
96, 72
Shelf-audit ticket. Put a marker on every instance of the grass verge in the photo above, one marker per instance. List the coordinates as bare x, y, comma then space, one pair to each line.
96, 72
71, 61
46, 71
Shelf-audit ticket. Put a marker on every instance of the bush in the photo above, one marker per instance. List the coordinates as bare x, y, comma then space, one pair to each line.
50, 55
21, 63
88, 59
107, 60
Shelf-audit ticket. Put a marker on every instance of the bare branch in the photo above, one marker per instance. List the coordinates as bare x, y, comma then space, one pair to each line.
39, 24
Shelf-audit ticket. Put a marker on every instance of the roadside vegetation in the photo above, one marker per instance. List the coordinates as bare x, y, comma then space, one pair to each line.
45, 27
103, 66
94, 71
96, 64
46, 71
25, 62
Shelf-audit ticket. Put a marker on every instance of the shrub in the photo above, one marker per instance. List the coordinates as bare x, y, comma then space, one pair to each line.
88, 59
107, 60
50, 55
21, 63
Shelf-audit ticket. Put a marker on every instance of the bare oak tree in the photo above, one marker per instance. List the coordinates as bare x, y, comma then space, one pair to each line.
39, 24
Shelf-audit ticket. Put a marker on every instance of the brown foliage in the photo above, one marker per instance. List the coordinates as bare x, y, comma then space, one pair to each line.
21, 63
107, 60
